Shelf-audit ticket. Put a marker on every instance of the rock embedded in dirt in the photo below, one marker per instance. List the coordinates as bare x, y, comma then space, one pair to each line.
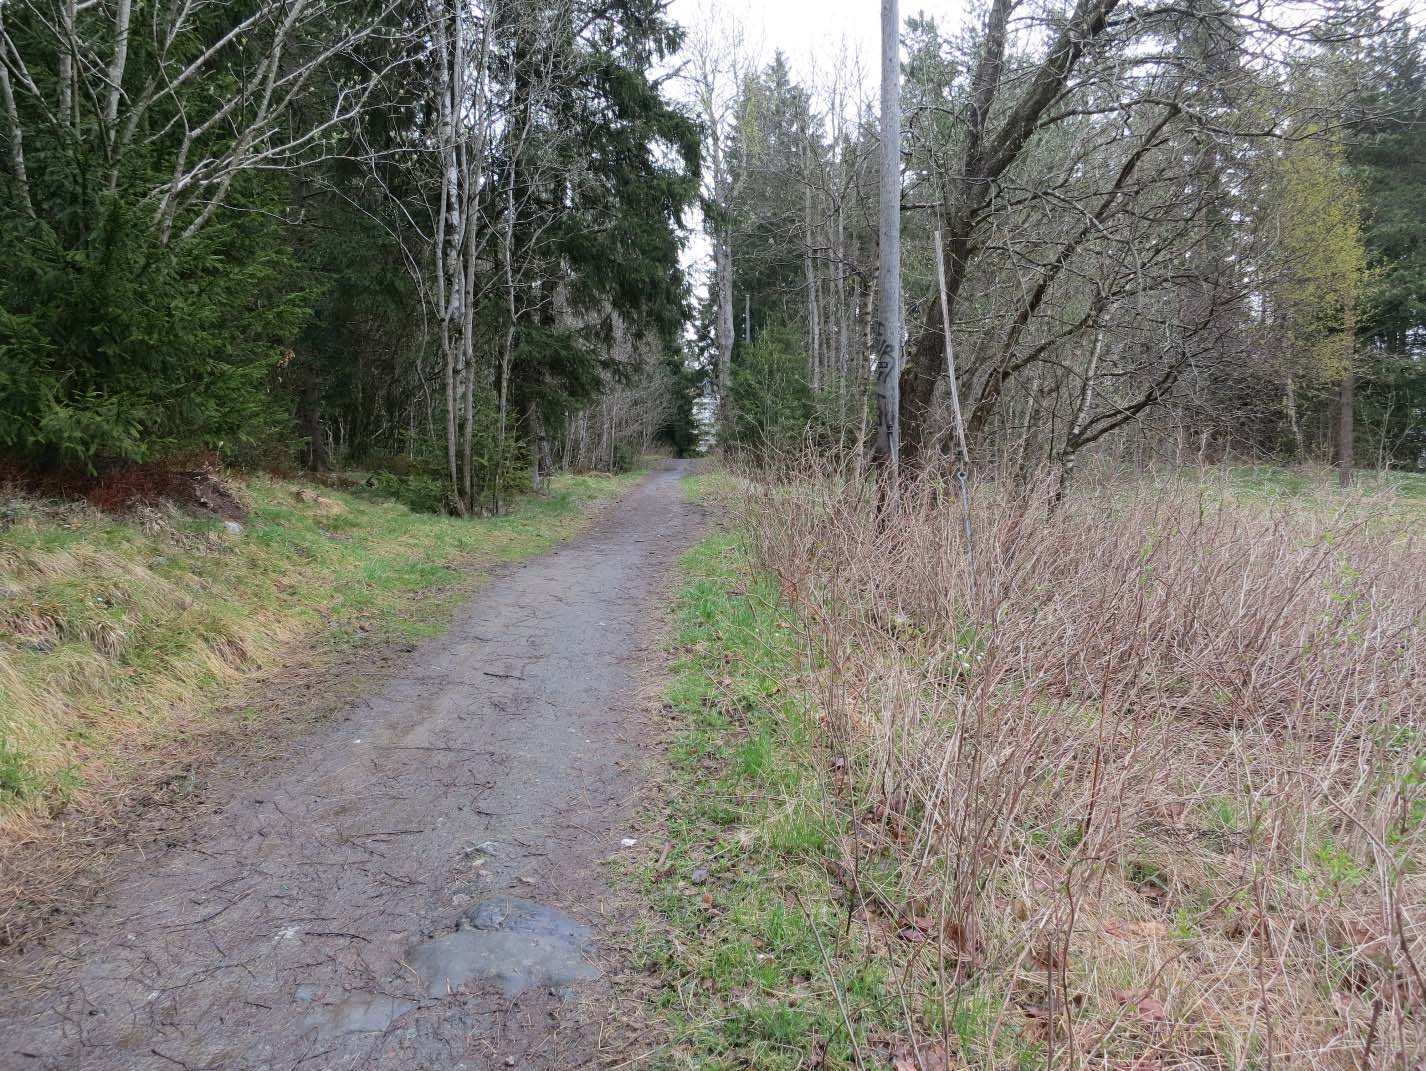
357, 1013
526, 916
513, 944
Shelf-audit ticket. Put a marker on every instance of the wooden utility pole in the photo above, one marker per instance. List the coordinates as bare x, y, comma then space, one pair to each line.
888, 343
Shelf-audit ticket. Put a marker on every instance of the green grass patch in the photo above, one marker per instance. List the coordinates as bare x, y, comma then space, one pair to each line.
760, 957
1396, 496
708, 482
753, 949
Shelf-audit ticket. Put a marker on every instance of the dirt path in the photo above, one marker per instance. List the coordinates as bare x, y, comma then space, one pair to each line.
381, 898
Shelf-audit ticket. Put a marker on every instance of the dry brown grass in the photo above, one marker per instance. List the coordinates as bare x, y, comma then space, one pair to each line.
1157, 794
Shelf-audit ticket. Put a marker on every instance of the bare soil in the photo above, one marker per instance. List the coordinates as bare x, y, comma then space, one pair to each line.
116, 488
414, 884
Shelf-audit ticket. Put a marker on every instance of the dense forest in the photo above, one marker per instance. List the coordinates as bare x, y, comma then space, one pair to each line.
422, 236
445, 240
1190, 233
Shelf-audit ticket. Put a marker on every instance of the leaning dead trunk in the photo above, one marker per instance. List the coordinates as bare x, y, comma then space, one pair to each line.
723, 280
507, 351
541, 463
814, 352
1290, 403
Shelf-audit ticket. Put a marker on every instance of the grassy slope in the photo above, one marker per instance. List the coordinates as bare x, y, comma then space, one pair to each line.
119, 638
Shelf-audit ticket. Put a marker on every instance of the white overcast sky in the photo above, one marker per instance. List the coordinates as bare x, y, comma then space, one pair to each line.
800, 28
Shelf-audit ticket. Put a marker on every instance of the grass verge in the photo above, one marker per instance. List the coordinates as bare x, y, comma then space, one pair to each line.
756, 962
124, 642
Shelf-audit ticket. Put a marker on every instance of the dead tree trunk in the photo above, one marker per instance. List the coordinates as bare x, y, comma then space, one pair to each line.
540, 462
723, 328
814, 323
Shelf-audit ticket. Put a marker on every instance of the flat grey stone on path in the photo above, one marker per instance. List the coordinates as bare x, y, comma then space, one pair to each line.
418, 883
514, 944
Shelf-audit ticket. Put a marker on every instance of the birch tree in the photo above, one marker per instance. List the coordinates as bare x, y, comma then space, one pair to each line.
719, 63
205, 90
130, 130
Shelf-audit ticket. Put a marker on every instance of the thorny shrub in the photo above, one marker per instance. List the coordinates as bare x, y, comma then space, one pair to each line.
1155, 793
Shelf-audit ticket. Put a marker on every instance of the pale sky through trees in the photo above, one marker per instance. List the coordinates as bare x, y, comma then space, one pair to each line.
812, 34
800, 28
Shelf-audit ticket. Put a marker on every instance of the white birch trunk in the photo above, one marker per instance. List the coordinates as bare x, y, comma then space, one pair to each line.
16, 131
117, 63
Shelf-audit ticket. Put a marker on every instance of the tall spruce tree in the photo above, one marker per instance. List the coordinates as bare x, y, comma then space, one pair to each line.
1386, 144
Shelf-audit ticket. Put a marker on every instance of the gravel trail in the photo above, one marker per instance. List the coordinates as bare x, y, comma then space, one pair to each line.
419, 883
